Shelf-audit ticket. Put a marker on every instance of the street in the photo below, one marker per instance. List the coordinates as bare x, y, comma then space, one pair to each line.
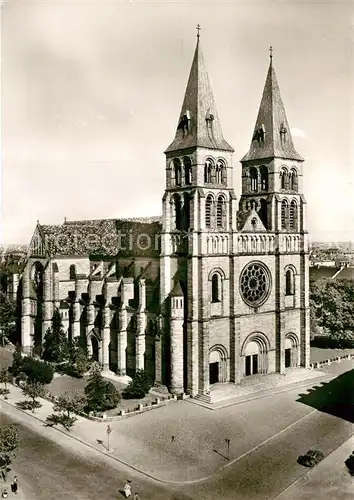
267, 436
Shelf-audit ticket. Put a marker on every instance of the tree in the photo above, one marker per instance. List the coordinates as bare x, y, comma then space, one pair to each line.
16, 360
7, 317
56, 346
5, 377
138, 387
66, 405
69, 403
33, 390
332, 305
36, 370
101, 394
9, 441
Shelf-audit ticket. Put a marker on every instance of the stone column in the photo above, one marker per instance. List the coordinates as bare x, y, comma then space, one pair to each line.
26, 318
76, 317
141, 327
106, 334
158, 351
177, 320
122, 343
47, 300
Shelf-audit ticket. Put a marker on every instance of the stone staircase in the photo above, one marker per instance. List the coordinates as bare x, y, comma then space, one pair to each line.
203, 398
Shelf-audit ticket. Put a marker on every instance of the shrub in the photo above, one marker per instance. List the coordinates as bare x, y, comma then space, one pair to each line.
4, 392
327, 342
101, 394
36, 370
138, 387
16, 361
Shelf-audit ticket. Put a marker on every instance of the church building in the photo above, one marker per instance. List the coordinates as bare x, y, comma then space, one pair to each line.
215, 290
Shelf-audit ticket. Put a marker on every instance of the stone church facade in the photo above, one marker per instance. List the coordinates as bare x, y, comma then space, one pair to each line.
215, 290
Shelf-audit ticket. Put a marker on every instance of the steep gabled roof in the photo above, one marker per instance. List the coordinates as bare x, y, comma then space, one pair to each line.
198, 124
272, 136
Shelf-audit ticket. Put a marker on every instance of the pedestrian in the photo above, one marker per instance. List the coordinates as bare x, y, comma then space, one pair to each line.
172, 439
136, 497
15, 485
4, 493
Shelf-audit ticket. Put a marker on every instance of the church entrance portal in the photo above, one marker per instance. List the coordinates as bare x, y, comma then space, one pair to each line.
213, 373
287, 358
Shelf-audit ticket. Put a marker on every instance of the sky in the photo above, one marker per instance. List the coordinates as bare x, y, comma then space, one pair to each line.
91, 93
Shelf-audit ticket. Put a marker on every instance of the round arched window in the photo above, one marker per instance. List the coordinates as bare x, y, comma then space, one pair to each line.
255, 284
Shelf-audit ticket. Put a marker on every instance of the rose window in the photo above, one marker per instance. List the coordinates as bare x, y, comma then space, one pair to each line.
255, 284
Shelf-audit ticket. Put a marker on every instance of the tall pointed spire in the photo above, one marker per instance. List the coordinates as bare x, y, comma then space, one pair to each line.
198, 124
271, 137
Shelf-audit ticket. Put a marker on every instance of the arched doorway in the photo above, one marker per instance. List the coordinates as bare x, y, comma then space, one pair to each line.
217, 365
255, 353
291, 348
214, 367
95, 349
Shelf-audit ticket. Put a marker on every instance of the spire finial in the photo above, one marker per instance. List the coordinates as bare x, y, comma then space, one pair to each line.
198, 30
271, 53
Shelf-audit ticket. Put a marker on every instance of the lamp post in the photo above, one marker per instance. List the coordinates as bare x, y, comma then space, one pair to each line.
227, 441
109, 430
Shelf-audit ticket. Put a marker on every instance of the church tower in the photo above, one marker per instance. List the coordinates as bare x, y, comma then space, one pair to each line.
272, 224
199, 216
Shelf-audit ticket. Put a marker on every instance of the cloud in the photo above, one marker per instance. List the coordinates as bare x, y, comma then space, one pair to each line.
297, 132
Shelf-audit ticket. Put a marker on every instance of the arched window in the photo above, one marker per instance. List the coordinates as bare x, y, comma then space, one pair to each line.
293, 215
207, 171
284, 214
289, 282
293, 184
72, 272
187, 170
178, 172
283, 178
253, 179
220, 172
264, 178
216, 288
177, 211
220, 212
208, 210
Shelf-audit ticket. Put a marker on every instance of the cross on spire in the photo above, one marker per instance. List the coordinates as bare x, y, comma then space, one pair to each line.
271, 52
198, 30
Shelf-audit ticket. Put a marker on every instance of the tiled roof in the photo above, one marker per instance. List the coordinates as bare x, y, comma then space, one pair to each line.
198, 113
138, 236
272, 137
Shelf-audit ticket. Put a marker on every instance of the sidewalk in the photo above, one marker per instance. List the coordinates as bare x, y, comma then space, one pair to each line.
329, 479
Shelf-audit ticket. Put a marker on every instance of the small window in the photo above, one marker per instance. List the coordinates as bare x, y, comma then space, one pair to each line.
220, 212
220, 172
253, 179
283, 178
177, 206
293, 184
264, 178
293, 215
72, 272
208, 166
187, 170
208, 210
215, 288
284, 214
178, 172
289, 283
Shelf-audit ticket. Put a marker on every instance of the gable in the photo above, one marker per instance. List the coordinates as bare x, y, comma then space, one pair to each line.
37, 246
253, 222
